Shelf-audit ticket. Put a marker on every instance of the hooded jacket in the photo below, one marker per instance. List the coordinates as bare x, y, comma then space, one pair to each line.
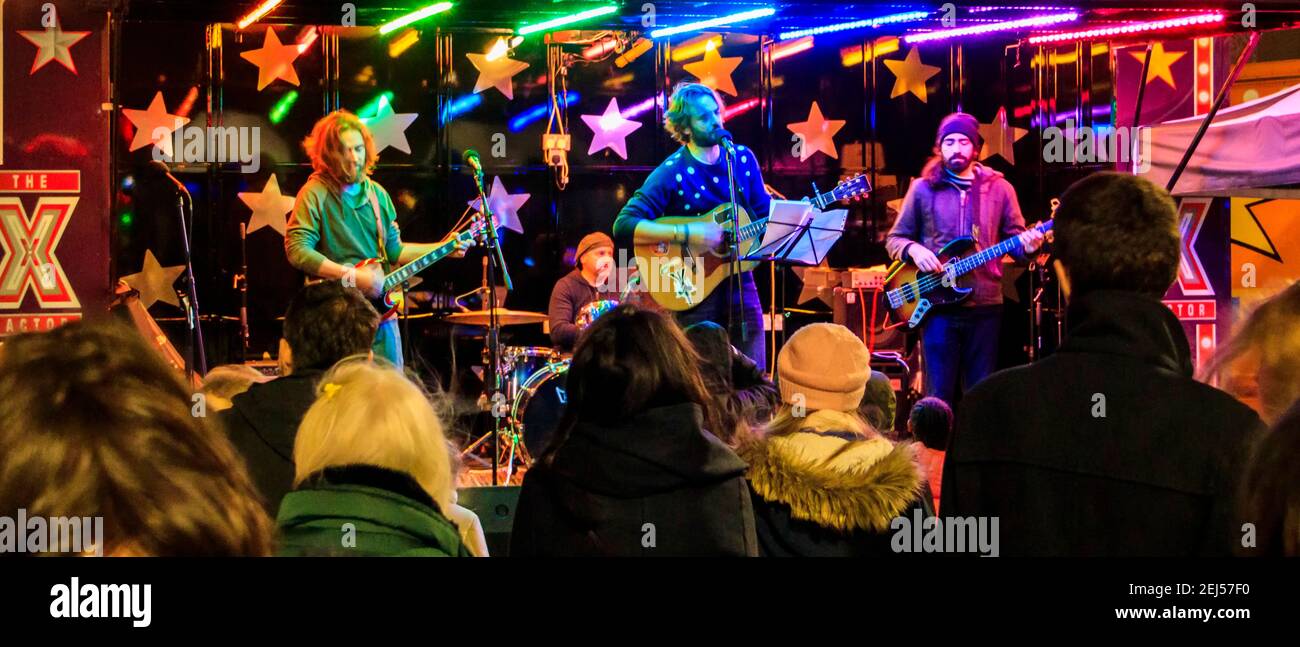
1107, 447
363, 510
830, 492
934, 212
655, 484
263, 422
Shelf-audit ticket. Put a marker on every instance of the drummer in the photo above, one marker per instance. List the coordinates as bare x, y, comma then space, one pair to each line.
587, 283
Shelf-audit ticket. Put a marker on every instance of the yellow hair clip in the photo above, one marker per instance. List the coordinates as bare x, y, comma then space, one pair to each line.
330, 389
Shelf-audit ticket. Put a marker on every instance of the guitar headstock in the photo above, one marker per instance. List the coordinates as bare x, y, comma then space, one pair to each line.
477, 229
854, 189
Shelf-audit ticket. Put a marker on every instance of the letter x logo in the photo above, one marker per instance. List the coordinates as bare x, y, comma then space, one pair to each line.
28, 247
1192, 278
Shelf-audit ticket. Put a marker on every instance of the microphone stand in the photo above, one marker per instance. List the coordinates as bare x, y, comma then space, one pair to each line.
495, 263
733, 281
192, 309
241, 282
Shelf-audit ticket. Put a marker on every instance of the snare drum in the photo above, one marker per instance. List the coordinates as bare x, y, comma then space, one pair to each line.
517, 363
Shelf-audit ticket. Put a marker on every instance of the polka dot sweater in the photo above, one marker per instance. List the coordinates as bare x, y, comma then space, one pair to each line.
684, 186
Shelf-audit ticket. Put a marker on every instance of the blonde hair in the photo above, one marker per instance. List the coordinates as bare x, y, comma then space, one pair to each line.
1270, 335
677, 119
369, 413
785, 422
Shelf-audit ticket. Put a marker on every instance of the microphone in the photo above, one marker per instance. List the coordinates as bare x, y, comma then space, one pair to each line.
724, 138
471, 160
161, 169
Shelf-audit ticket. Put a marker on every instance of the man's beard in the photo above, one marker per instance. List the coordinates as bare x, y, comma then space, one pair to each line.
706, 139
957, 163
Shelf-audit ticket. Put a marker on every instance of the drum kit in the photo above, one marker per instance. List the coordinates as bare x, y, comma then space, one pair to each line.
532, 395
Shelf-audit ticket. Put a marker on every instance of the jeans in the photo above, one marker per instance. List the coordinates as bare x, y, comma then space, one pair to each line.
388, 342
714, 308
960, 348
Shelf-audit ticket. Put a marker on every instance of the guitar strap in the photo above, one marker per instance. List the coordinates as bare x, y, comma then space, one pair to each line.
379, 223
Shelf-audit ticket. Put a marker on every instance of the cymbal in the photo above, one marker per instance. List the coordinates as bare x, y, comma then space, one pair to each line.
504, 317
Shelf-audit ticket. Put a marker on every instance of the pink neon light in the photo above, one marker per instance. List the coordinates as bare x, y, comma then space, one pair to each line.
791, 48
738, 108
1036, 21
643, 107
1173, 23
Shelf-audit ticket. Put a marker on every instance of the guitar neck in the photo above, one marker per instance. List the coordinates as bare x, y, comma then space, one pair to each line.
969, 263
405, 272
756, 227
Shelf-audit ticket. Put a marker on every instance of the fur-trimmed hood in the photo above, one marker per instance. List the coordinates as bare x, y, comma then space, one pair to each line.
835, 479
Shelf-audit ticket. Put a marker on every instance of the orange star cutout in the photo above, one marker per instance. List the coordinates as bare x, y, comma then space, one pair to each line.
715, 71
274, 60
154, 125
818, 133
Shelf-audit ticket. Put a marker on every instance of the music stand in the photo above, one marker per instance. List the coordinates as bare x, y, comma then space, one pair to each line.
798, 233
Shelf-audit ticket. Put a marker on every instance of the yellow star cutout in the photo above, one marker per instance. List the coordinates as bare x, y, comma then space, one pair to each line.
496, 70
818, 133
910, 75
154, 282
999, 138
715, 71
1160, 62
53, 44
274, 60
269, 207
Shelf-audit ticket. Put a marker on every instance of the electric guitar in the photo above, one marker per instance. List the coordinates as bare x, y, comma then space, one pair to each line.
911, 292
391, 300
678, 280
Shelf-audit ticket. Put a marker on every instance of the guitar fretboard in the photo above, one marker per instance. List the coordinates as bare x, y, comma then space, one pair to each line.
401, 274
969, 263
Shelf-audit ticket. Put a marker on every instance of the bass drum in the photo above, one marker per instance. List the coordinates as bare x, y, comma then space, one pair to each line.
538, 405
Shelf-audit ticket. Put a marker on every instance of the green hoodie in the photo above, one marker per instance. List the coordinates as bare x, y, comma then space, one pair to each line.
389, 515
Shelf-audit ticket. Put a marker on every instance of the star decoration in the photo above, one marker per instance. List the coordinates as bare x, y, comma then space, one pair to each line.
53, 44
388, 128
498, 72
999, 138
1249, 232
910, 75
818, 133
154, 282
154, 125
268, 207
274, 60
1160, 62
610, 130
819, 282
715, 71
505, 205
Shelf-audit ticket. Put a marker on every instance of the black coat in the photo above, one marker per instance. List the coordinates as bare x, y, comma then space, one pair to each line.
655, 485
263, 423
1108, 447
